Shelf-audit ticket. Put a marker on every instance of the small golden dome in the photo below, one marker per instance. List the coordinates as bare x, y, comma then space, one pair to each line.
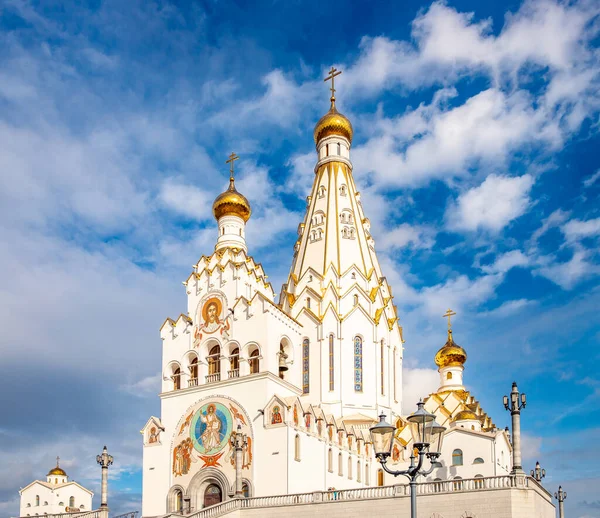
57, 471
465, 415
231, 203
333, 123
451, 354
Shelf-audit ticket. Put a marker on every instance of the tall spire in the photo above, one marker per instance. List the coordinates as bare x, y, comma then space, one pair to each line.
335, 275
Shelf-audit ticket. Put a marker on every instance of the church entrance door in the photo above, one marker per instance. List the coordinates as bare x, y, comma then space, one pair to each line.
212, 495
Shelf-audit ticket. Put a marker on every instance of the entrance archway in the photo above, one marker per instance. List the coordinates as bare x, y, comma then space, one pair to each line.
212, 495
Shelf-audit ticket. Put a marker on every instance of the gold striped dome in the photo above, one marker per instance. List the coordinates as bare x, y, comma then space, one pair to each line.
451, 355
232, 203
333, 123
466, 415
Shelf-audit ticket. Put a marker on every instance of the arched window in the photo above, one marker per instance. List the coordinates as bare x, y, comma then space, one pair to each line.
349, 468
297, 448
56, 480
254, 365
331, 363
380, 477
212, 496
358, 379
382, 367
449, 376
176, 378
193, 381
214, 363
340, 467
478, 460
339, 150
353, 276
37, 499
457, 458
305, 365
234, 363
72, 501
457, 485
478, 481
322, 191
245, 490
326, 149
367, 474
356, 300
358, 472
330, 460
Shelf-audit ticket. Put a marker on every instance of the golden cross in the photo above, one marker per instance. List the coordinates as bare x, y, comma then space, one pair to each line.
449, 314
232, 158
332, 74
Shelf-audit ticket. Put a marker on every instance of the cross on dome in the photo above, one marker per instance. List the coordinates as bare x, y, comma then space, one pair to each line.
232, 158
449, 313
332, 75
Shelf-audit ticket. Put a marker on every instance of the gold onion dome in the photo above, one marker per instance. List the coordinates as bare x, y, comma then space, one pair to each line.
466, 414
333, 123
57, 471
451, 355
232, 203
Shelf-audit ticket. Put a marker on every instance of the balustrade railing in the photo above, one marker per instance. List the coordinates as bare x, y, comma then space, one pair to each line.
234, 373
98, 513
367, 493
211, 378
193, 382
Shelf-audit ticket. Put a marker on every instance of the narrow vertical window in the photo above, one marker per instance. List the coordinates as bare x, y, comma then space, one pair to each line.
350, 468
367, 473
305, 365
358, 472
380, 477
358, 374
297, 448
382, 367
331, 364
340, 467
330, 460
339, 149
326, 149
395, 397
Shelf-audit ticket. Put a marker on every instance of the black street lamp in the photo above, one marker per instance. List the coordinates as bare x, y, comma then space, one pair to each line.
426, 431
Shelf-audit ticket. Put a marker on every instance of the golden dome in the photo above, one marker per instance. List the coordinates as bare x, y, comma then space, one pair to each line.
232, 203
451, 354
57, 471
464, 415
333, 123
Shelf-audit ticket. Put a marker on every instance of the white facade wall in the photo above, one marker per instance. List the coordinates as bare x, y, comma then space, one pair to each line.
53, 498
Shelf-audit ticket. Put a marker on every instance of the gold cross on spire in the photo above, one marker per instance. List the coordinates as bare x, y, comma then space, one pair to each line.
232, 158
449, 313
57, 459
332, 75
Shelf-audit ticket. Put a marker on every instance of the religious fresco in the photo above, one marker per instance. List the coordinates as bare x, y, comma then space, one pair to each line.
205, 438
330, 432
153, 436
296, 415
211, 319
276, 415
307, 422
320, 427
395, 453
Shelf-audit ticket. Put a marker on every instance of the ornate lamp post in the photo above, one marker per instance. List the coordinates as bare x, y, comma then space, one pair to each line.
514, 404
239, 441
104, 460
538, 473
561, 496
426, 431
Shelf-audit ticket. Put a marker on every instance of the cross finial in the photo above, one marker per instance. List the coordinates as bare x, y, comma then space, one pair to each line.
57, 460
449, 313
332, 75
232, 158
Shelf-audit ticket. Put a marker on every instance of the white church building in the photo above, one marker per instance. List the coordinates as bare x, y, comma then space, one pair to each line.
305, 375
55, 495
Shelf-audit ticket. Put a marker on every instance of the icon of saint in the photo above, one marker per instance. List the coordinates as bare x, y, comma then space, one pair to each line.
211, 438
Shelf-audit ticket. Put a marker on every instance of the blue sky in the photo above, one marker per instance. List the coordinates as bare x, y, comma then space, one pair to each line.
476, 152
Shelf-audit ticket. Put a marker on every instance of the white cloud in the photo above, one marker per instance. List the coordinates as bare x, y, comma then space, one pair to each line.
417, 384
186, 199
567, 274
554, 220
405, 235
591, 180
575, 229
507, 261
492, 205
508, 308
